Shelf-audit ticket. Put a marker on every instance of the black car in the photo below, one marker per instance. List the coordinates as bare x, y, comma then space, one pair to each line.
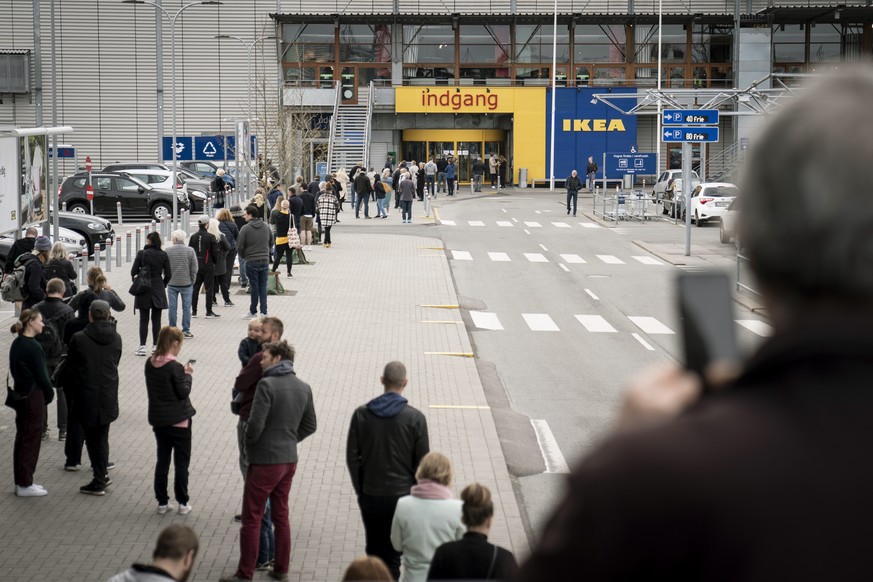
138, 199
93, 229
119, 167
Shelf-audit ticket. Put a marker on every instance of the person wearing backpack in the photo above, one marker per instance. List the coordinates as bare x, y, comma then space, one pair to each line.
60, 266
20, 247
55, 315
33, 289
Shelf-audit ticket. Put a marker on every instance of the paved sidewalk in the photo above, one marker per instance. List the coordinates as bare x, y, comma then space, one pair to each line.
357, 307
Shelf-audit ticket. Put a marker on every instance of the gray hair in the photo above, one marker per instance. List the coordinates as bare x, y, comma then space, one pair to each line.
321, 185
807, 214
178, 237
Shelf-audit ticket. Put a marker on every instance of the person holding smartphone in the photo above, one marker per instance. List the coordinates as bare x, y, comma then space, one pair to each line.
168, 384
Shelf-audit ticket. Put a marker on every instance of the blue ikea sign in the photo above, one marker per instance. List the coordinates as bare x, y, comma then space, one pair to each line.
584, 129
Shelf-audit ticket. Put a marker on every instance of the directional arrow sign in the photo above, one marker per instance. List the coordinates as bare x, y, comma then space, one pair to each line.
690, 117
689, 134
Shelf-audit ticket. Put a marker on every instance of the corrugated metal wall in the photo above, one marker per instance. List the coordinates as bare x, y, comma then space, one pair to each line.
113, 106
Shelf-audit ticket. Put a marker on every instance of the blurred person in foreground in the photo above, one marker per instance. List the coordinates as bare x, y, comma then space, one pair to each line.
766, 477
173, 558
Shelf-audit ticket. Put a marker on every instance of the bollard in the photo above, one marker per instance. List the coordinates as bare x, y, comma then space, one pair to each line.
129, 241
118, 211
108, 260
161, 227
64, 206
83, 270
97, 255
117, 246
138, 239
208, 210
153, 227
426, 202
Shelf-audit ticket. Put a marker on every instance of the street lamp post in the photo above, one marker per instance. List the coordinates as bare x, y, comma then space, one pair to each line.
172, 20
249, 47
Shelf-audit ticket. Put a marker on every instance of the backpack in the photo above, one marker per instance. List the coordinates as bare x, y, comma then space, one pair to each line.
51, 338
14, 287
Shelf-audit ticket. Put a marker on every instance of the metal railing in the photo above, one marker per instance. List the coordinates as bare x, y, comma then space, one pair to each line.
371, 100
720, 166
333, 128
626, 205
741, 258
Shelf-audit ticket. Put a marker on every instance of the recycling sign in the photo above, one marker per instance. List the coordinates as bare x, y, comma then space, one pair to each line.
209, 148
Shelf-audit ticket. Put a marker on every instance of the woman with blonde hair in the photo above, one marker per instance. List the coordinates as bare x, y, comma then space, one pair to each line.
168, 385
220, 282
427, 518
60, 267
473, 558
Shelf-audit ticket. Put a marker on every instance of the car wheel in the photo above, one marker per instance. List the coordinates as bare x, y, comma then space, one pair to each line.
161, 210
79, 208
697, 220
722, 235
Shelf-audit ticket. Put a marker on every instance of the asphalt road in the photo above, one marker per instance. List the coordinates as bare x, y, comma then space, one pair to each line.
562, 311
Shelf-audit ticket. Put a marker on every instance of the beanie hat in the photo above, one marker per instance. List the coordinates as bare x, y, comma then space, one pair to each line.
43, 243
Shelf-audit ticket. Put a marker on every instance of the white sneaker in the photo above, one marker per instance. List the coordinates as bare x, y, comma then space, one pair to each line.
162, 509
249, 315
141, 351
185, 509
32, 491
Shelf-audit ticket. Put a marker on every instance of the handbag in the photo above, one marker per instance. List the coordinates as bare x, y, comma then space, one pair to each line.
293, 236
274, 284
142, 283
13, 398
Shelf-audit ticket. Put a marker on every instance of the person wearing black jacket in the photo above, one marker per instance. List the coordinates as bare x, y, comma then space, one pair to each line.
386, 442
168, 385
591, 172
307, 217
219, 187
34, 272
313, 187
206, 248
573, 185
478, 171
53, 308
395, 182
91, 374
363, 191
20, 247
239, 219
151, 303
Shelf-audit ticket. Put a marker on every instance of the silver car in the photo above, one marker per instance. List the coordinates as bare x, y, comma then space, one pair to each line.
728, 229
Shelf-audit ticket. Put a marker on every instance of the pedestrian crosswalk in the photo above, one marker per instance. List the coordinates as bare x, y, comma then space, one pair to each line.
569, 258
527, 223
594, 323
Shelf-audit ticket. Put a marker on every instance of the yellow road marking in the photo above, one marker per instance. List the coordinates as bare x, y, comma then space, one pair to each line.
442, 306
457, 354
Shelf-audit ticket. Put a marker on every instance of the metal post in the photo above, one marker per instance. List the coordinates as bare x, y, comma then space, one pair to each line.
108, 259
118, 211
83, 269
53, 188
138, 239
129, 240
554, 93
686, 193
97, 255
64, 206
153, 227
117, 246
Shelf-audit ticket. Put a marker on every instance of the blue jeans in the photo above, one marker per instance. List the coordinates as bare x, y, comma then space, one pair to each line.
406, 210
365, 200
173, 293
243, 278
441, 181
353, 199
429, 181
267, 545
257, 275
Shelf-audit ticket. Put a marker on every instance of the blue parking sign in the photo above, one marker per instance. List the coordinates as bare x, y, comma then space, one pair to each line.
209, 147
183, 148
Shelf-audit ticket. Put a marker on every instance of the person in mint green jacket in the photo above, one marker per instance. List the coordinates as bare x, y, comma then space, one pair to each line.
427, 518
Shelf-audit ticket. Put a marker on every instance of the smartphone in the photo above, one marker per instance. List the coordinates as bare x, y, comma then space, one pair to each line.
707, 321
190, 362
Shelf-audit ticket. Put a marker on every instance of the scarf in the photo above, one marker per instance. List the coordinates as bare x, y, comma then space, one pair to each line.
427, 489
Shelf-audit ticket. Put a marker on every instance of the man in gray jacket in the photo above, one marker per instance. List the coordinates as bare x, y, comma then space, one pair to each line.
172, 560
253, 245
183, 266
283, 414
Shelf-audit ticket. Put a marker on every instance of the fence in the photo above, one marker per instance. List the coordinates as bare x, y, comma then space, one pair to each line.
621, 205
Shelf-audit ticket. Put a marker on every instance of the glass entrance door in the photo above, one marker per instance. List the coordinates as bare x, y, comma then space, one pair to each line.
350, 85
468, 152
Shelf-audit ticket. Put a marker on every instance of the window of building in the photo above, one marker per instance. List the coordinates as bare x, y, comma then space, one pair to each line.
825, 43
711, 44
428, 43
307, 43
533, 43
365, 43
485, 52
789, 43
600, 43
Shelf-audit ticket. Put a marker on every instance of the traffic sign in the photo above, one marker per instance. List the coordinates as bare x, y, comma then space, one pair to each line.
621, 164
210, 147
231, 145
184, 151
690, 117
690, 134
89, 192
63, 152
88, 165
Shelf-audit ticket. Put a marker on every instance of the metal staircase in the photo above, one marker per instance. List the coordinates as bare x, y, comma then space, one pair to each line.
721, 168
350, 132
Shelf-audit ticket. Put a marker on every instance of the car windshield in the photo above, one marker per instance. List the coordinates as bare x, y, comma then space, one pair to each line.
722, 191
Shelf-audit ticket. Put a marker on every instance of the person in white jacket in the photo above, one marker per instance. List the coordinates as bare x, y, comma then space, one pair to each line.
426, 519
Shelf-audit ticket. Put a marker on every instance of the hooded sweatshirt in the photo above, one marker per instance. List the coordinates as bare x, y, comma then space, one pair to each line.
254, 241
94, 354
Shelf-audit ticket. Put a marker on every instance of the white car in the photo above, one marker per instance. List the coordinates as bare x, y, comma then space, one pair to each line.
711, 200
662, 192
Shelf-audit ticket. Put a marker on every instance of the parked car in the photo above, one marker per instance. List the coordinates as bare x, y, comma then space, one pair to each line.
207, 170
164, 178
727, 230
123, 167
73, 243
93, 229
710, 200
138, 199
661, 187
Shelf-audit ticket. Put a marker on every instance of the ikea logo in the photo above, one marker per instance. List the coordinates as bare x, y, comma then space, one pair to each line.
593, 125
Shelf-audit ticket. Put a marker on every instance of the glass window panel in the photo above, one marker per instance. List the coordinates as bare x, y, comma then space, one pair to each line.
673, 43
788, 53
711, 44
608, 75
294, 33
428, 44
597, 53
533, 44
824, 52
365, 44
792, 33
485, 44
826, 33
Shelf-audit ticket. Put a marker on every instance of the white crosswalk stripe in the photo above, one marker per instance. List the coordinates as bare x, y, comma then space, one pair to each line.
475, 223
610, 259
650, 325
462, 256
499, 257
533, 224
486, 320
595, 324
536, 258
504, 223
648, 260
561, 225
574, 259
539, 322
447, 222
589, 225
756, 326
